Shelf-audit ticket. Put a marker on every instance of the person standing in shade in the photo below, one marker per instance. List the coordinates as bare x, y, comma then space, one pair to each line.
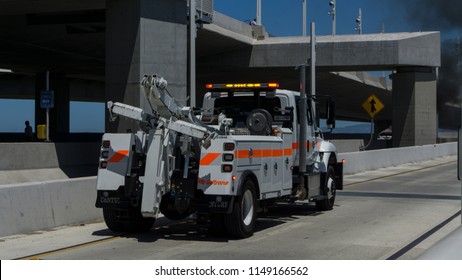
28, 132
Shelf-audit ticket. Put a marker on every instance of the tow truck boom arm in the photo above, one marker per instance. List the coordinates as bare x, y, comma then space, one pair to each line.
155, 90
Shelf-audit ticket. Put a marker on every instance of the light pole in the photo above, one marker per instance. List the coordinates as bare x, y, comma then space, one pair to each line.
304, 19
258, 12
333, 13
459, 130
192, 53
47, 88
359, 22
458, 53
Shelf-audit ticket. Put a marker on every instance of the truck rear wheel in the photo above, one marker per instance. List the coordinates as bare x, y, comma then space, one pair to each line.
126, 220
329, 190
241, 222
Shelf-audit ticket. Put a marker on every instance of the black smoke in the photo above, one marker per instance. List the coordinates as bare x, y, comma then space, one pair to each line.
444, 16
449, 85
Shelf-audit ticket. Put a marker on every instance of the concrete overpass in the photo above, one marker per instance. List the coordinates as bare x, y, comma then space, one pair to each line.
98, 50
413, 56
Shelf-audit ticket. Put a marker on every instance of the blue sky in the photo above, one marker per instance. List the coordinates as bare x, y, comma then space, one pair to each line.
13, 114
280, 18
284, 17
84, 116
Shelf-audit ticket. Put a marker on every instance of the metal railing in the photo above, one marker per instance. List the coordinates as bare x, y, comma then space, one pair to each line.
204, 10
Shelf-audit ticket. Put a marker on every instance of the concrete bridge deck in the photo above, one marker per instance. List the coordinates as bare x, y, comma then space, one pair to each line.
114, 43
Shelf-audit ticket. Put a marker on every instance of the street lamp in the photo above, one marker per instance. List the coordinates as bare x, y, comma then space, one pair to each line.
332, 12
359, 22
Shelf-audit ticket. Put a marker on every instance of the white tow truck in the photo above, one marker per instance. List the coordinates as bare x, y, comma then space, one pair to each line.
224, 162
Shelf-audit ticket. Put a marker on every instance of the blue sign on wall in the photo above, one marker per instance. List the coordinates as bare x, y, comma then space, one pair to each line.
46, 99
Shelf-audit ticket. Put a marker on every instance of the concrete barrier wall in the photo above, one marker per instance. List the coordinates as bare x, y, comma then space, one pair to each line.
232, 24
31, 207
348, 146
370, 160
34, 155
36, 206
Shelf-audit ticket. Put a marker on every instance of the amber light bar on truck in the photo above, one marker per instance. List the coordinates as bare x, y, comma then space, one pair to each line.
242, 86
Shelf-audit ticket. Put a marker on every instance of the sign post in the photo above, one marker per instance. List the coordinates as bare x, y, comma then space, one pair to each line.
372, 106
459, 154
47, 102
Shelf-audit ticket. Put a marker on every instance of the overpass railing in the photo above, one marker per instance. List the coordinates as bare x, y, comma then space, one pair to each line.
204, 9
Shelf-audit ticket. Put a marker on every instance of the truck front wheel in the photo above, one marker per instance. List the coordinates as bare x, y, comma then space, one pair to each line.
126, 220
329, 191
241, 222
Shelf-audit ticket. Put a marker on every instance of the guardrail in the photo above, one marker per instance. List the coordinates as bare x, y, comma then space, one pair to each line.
204, 10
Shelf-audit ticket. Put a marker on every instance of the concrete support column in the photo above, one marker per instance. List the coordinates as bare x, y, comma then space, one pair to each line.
59, 115
414, 107
144, 37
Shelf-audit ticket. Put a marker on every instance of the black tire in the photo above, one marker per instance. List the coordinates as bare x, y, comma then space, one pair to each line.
329, 190
112, 220
241, 222
126, 220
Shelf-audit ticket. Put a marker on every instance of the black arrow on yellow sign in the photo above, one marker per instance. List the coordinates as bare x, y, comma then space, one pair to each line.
373, 109
373, 105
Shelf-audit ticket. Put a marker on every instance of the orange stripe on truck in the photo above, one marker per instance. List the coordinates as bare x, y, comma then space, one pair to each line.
242, 154
263, 153
209, 158
277, 153
118, 156
296, 145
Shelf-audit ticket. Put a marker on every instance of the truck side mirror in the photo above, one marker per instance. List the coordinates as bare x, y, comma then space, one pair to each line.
330, 114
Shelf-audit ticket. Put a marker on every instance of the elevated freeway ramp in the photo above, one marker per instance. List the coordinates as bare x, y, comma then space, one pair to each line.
114, 43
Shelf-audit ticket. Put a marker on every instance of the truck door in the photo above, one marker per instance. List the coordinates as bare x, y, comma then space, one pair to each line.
276, 167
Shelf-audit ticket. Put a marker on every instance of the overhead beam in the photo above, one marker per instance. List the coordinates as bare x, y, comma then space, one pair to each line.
22, 7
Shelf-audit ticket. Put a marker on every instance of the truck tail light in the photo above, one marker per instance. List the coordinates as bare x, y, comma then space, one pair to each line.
103, 164
105, 154
228, 157
227, 168
228, 147
106, 144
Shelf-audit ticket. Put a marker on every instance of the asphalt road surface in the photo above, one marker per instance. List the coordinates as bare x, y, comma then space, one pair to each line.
393, 213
